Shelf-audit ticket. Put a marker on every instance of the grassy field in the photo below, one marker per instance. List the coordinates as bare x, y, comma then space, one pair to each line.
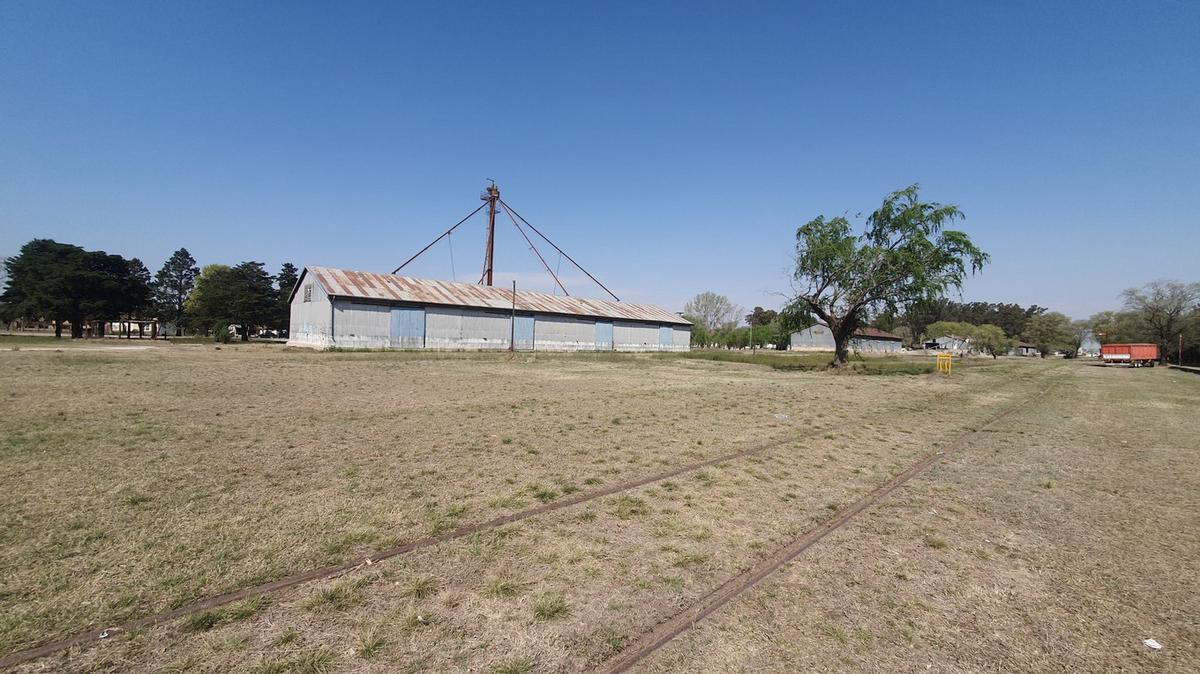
139, 481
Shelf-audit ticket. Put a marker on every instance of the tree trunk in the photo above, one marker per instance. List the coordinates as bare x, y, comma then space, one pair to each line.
141, 330
76, 329
841, 346
57, 329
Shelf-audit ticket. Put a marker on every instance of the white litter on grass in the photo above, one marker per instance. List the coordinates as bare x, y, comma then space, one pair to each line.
782, 417
1153, 644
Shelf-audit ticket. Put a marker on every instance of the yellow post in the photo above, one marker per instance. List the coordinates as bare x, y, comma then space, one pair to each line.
945, 362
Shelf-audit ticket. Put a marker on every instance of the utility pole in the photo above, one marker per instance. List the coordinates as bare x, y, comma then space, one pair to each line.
1180, 357
491, 196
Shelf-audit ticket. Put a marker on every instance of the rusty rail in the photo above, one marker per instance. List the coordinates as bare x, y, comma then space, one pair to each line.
667, 630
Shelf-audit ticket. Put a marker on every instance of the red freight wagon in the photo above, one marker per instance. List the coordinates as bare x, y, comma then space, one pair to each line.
1136, 355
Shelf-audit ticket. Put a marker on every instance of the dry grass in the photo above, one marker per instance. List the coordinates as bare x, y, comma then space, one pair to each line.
271, 461
978, 565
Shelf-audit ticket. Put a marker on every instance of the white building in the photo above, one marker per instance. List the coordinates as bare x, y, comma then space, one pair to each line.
342, 308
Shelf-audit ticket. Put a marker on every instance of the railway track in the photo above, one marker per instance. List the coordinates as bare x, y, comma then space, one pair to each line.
666, 631
97, 635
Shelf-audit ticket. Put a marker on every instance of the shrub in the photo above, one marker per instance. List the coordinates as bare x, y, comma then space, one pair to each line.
221, 333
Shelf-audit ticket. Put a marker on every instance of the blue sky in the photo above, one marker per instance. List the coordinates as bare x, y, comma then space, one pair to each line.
670, 148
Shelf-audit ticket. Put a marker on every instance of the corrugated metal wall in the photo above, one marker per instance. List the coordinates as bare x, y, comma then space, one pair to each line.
635, 336
523, 333
562, 333
309, 322
874, 345
815, 338
604, 336
407, 328
681, 338
362, 326
465, 329
381, 326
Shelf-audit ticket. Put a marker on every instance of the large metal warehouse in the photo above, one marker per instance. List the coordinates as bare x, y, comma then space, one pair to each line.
353, 309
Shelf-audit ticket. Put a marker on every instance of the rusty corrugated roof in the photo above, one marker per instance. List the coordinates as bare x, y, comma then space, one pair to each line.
876, 333
392, 288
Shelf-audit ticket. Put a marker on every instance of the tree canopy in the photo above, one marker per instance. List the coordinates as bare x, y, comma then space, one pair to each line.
65, 283
759, 316
712, 311
1049, 332
243, 295
285, 281
1165, 311
905, 255
172, 286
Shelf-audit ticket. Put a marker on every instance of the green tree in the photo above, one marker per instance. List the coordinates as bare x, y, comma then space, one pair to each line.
37, 282
1163, 308
920, 314
701, 337
760, 317
904, 255
1116, 326
1049, 332
255, 304
732, 337
137, 294
243, 295
65, 283
885, 320
712, 310
172, 286
211, 300
990, 339
285, 282
950, 329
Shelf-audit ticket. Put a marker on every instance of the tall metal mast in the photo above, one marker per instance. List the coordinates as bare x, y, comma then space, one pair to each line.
492, 201
491, 196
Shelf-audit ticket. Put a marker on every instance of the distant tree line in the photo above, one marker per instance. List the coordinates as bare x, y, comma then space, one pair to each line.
65, 284
1166, 313
894, 276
